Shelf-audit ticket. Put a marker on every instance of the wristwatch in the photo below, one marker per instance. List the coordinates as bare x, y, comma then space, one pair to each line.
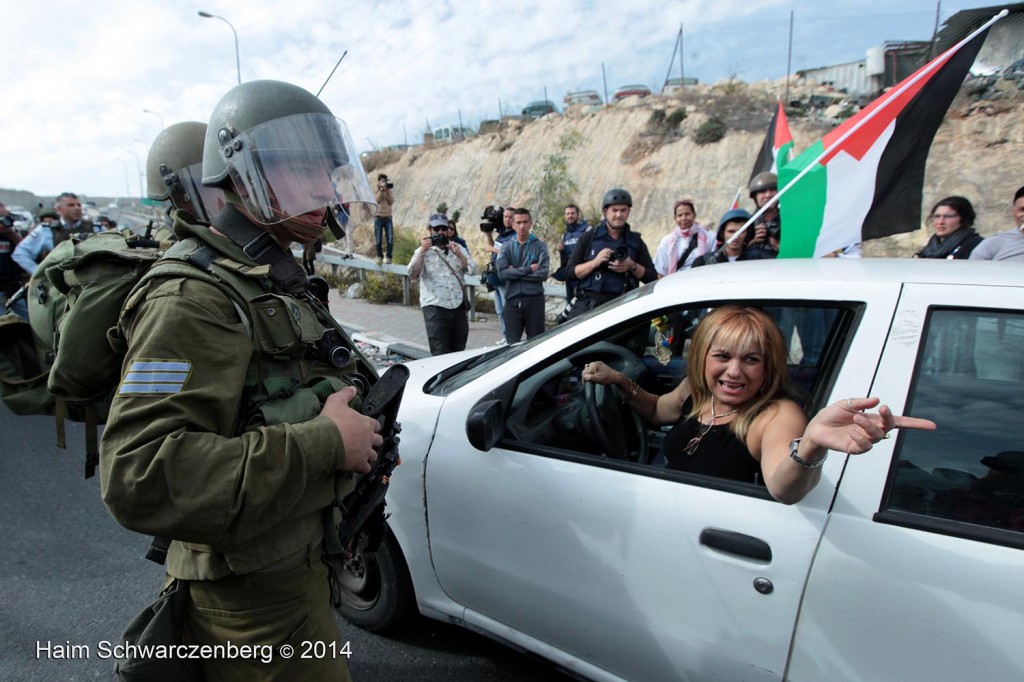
794, 445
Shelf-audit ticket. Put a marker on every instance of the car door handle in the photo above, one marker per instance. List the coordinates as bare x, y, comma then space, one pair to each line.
730, 542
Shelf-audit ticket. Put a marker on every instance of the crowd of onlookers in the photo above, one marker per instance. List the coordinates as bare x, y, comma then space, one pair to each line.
596, 262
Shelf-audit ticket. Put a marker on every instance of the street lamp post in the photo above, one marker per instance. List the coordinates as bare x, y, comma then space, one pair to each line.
138, 167
238, 63
157, 114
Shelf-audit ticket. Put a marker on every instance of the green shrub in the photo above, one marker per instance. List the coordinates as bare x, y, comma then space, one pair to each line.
382, 287
675, 118
711, 130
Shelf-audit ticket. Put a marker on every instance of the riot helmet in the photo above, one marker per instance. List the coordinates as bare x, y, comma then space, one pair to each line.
287, 158
616, 196
174, 169
763, 181
737, 214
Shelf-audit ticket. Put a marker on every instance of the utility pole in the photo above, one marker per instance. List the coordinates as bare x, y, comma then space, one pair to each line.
789, 57
604, 77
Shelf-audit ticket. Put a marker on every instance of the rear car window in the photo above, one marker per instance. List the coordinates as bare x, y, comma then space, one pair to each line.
969, 379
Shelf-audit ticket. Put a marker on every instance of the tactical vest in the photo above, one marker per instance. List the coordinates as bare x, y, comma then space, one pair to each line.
287, 380
60, 235
603, 281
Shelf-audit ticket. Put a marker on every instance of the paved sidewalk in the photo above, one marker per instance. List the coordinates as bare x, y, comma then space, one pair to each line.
398, 328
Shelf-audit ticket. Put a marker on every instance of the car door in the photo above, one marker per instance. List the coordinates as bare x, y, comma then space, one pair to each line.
620, 570
918, 573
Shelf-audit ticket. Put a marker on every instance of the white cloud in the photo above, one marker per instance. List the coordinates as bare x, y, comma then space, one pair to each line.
78, 75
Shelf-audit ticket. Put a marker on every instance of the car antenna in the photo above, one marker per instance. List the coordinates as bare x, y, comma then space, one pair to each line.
331, 73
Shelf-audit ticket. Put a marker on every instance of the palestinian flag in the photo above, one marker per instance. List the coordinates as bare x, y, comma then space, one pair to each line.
777, 143
736, 199
869, 185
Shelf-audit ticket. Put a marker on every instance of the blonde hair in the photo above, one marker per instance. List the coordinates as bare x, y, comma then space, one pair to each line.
739, 330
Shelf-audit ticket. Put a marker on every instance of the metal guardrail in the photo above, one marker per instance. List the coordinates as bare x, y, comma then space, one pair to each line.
338, 260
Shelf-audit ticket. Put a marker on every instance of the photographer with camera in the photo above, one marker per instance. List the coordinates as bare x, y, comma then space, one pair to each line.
441, 265
609, 260
383, 228
768, 228
497, 220
11, 275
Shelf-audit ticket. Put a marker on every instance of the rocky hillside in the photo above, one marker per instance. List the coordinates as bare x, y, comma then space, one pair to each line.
978, 152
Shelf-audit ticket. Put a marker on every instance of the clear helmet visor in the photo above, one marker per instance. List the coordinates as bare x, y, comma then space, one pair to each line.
188, 192
296, 167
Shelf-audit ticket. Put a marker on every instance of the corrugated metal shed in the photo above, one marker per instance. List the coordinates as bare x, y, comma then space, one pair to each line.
1005, 42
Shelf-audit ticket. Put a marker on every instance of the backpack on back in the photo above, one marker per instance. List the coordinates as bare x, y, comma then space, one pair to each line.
66, 367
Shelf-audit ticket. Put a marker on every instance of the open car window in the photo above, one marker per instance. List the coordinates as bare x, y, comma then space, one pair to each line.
550, 414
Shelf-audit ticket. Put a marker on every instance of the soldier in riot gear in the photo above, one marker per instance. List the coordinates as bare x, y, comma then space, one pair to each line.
174, 171
231, 431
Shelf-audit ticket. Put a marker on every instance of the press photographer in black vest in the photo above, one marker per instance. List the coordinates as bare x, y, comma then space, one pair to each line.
609, 259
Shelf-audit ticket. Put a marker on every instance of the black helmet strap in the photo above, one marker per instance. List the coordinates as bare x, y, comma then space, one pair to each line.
261, 247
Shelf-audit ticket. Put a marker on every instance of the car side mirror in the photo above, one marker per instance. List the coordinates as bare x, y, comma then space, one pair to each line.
485, 424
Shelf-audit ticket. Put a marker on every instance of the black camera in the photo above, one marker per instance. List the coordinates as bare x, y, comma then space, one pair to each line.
493, 219
389, 185
773, 228
439, 239
7, 221
620, 253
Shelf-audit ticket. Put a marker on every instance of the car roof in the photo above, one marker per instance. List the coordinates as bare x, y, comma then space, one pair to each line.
747, 275
635, 86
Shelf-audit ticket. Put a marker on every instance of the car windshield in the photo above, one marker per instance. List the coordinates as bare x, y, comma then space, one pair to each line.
461, 374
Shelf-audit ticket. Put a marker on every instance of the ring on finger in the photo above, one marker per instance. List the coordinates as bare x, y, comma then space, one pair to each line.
849, 404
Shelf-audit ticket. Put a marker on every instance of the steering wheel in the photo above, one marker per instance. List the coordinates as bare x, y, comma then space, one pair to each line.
607, 418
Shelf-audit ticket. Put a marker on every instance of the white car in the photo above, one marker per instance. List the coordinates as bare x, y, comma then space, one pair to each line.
510, 516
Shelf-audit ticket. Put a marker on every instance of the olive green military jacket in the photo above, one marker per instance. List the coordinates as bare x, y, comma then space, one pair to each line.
180, 459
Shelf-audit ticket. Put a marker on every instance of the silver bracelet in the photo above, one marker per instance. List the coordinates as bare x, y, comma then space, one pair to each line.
794, 445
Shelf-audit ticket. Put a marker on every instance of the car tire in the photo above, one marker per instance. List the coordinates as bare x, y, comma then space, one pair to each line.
375, 588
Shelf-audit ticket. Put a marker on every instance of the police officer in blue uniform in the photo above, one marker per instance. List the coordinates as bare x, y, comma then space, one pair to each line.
609, 259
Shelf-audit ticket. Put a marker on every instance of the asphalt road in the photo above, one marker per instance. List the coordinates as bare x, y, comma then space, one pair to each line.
71, 576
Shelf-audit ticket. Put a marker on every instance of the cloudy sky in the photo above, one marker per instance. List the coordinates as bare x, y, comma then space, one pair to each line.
78, 76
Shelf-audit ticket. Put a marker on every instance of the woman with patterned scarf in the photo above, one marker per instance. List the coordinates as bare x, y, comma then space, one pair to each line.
688, 241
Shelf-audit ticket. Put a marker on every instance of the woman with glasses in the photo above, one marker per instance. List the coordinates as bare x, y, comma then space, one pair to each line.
954, 237
732, 418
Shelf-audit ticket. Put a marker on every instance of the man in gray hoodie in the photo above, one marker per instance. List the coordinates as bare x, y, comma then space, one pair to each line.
523, 265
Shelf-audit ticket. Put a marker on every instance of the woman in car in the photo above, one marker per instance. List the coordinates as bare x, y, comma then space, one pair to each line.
732, 418
686, 243
953, 221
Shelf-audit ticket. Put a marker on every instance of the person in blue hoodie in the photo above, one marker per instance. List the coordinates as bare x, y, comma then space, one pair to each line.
523, 264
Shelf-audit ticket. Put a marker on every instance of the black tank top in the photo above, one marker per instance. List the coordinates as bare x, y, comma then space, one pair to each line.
720, 452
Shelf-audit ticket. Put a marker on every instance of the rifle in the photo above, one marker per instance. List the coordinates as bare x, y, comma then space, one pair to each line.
363, 508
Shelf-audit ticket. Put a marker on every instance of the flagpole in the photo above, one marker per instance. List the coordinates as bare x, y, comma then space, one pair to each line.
890, 97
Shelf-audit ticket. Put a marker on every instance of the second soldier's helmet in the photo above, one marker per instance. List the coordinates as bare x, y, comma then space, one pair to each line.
174, 169
763, 181
616, 196
285, 155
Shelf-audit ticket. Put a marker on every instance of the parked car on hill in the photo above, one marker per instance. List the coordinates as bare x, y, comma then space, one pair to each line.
582, 97
511, 516
674, 86
451, 133
637, 90
539, 108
